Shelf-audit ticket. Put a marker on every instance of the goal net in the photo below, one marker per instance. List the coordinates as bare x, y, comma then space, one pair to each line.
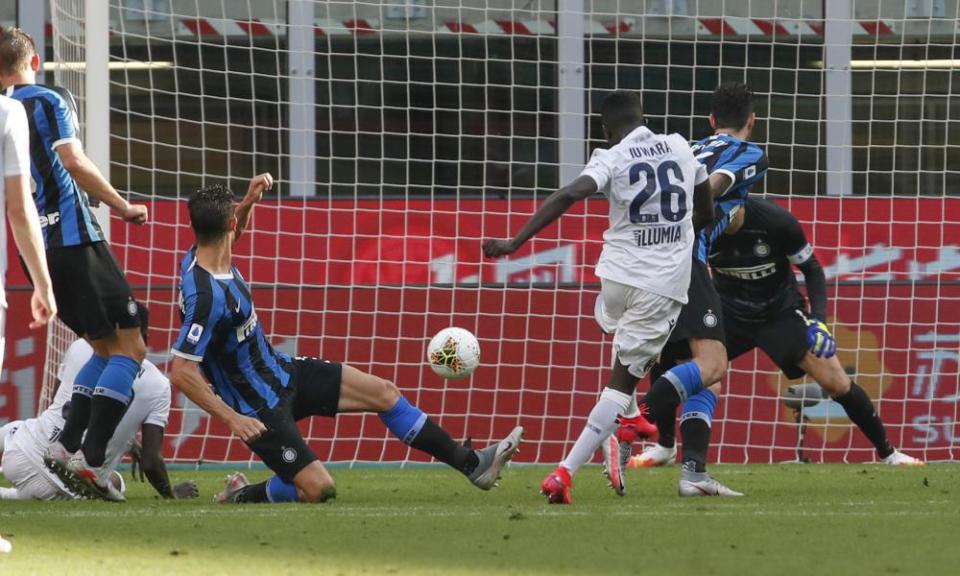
401, 133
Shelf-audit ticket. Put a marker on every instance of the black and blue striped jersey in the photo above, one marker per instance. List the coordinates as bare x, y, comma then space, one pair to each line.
65, 216
745, 163
221, 331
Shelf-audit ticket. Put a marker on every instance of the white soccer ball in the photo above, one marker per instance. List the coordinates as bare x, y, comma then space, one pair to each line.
454, 353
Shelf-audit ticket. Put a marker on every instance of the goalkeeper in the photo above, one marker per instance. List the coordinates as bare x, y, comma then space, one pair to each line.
763, 307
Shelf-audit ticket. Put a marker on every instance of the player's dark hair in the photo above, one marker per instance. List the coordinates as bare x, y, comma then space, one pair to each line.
621, 109
211, 208
16, 50
732, 105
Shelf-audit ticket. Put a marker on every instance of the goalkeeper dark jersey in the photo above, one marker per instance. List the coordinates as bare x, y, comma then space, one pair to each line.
752, 268
221, 331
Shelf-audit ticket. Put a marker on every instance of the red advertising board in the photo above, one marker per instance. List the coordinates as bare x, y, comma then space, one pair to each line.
370, 281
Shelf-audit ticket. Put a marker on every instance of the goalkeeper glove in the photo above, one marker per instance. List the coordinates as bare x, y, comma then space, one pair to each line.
819, 339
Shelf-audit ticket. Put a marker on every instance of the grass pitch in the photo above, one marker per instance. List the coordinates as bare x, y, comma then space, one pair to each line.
814, 519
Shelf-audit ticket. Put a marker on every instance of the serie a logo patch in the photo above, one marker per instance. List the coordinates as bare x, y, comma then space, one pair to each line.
289, 455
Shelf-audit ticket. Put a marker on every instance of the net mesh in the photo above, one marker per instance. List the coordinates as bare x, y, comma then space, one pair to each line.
402, 133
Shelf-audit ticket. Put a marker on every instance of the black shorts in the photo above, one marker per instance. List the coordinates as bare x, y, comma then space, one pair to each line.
93, 296
783, 338
314, 391
700, 318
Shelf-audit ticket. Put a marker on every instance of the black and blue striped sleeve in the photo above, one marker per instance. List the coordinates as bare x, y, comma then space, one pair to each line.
202, 310
745, 165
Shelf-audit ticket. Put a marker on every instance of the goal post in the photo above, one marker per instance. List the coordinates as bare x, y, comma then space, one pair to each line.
403, 133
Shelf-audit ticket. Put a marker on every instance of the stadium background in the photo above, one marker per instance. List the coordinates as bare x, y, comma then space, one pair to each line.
432, 133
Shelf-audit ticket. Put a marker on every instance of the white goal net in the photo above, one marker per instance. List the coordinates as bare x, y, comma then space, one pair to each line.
403, 132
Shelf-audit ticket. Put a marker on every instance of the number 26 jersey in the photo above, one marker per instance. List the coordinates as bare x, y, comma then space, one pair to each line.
649, 179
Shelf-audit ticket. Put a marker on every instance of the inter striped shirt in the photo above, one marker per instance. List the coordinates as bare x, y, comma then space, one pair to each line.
745, 163
221, 331
65, 215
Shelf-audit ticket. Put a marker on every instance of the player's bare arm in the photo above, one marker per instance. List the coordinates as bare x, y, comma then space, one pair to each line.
552, 208
88, 177
258, 185
152, 465
25, 225
185, 375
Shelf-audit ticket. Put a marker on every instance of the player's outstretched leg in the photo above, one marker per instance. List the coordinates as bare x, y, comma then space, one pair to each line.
414, 428
829, 373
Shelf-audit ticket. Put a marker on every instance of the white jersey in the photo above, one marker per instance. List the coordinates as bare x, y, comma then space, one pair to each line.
14, 161
150, 405
649, 179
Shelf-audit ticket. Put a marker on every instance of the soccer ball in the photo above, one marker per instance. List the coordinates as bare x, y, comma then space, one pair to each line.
454, 353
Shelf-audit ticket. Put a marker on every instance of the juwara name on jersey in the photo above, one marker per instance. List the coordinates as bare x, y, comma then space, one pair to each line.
659, 149
660, 235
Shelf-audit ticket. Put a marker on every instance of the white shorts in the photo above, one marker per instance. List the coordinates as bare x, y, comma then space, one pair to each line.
31, 478
640, 322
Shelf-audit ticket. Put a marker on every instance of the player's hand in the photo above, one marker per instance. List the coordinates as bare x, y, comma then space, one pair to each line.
495, 248
43, 306
247, 428
134, 214
136, 461
258, 185
819, 339
186, 490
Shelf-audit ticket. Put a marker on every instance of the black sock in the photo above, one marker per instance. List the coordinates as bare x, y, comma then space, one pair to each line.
78, 416
662, 401
435, 441
253, 494
861, 412
105, 414
696, 441
667, 429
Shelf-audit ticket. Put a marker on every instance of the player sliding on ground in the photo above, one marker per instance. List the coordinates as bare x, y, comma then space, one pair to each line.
95, 300
694, 361
24, 442
764, 308
656, 189
260, 393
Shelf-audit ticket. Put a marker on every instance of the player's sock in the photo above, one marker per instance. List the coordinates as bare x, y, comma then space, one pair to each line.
413, 427
79, 414
695, 429
861, 412
110, 400
279, 490
600, 424
275, 491
672, 389
633, 410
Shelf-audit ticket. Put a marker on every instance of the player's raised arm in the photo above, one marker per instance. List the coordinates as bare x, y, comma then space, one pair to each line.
552, 208
258, 185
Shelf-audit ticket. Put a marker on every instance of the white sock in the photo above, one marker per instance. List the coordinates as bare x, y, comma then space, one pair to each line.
600, 424
632, 410
9, 494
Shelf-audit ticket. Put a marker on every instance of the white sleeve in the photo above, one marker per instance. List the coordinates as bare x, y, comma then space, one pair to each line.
700, 174
16, 141
599, 168
76, 357
159, 413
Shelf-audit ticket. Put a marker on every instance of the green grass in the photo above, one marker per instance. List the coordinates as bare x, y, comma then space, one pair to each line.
816, 519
